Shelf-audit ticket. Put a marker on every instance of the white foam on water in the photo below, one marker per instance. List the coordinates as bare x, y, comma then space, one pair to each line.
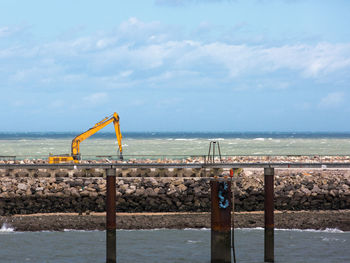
76, 230
143, 229
326, 239
327, 230
194, 241
259, 139
250, 229
197, 229
6, 228
333, 230
162, 229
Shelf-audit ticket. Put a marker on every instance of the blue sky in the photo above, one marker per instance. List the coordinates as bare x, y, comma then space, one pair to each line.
181, 65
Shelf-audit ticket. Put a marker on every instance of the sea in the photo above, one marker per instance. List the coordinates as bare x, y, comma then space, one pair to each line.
162, 245
173, 145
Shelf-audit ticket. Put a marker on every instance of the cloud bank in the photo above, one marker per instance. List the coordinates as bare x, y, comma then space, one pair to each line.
138, 52
139, 57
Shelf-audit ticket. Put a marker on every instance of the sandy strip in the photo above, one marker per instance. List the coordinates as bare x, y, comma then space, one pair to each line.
339, 219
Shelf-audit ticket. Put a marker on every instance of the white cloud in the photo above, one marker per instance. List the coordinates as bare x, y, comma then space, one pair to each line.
138, 52
125, 74
7, 31
135, 24
332, 100
135, 31
311, 61
4, 31
103, 43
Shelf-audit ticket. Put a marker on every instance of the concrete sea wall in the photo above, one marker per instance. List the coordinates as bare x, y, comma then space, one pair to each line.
160, 190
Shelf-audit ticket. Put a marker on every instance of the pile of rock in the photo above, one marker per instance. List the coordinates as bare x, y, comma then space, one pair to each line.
294, 190
202, 159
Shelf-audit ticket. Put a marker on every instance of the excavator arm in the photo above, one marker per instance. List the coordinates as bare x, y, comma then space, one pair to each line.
75, 152
98, 126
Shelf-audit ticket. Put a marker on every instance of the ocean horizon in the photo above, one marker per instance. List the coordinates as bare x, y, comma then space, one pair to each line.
178, 134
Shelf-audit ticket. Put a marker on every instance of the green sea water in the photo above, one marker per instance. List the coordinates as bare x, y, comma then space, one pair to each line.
151, 246
176, 145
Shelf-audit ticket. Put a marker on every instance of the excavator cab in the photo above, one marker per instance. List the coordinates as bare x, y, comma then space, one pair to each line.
64, 158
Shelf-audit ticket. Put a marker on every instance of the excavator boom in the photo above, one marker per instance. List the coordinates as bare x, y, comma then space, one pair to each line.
75, 151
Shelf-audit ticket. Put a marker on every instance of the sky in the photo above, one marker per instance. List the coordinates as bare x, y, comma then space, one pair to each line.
175, 65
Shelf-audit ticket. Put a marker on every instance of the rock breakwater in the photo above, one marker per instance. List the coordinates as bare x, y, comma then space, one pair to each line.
78, 191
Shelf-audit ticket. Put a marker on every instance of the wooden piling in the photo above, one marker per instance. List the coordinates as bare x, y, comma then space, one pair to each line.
221, 207
111, 255
269, 215
233, 187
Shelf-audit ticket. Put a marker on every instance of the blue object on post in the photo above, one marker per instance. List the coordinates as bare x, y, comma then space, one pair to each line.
223, 195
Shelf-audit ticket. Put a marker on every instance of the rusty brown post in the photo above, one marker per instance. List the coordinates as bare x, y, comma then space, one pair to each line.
111, 225
221, 207
269, 215
233, 187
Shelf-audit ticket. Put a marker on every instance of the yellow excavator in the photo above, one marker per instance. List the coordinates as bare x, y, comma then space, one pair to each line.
75, 154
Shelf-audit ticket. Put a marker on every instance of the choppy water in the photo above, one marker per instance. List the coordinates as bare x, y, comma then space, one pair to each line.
150, 246
176, 145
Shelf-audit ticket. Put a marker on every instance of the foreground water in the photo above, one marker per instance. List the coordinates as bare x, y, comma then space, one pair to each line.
175, 145
150, 246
